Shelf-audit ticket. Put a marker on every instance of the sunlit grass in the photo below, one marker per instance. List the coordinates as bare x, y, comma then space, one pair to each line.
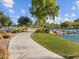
57, 45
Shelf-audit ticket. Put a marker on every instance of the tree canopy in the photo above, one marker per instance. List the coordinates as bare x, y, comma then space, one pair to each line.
43, 8
4, 20
67, 24
77, 20
23, 20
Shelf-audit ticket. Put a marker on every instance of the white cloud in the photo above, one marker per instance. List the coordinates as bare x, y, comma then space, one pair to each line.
66, 19
73, 15
11, 10
73, 8
23, 11
77, 1
49, 21
76, 5
57, 20
8, 3
66, 15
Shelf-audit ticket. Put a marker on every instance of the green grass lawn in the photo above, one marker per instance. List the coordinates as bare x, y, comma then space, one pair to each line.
54, 43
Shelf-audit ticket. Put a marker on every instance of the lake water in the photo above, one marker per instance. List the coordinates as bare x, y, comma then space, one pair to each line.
63, 29
72, 37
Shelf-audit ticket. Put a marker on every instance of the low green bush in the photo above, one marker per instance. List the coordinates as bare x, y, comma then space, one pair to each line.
40, 31
69, 32
15, 30
19, 29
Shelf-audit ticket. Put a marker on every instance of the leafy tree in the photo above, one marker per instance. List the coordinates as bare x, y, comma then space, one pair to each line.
77, 20
43, 8
66, 24
10, 23
24, 21
4, 20
56, 26
76, 23
47, 25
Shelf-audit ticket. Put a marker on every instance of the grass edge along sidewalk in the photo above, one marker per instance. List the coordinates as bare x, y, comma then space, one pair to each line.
54, 43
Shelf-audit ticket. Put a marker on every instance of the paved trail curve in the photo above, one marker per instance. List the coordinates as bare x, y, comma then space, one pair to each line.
23, 47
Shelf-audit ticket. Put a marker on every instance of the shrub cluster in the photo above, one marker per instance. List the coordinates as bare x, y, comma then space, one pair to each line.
1, 36
42, 30
18, 29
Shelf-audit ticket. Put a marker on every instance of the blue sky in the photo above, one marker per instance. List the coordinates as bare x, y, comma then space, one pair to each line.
69, 9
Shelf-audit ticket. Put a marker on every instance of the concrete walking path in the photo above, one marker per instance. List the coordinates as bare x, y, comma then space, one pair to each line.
23, 47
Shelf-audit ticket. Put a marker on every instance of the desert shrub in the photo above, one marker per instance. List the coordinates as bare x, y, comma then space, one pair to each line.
1, 32
7, 35
1, 36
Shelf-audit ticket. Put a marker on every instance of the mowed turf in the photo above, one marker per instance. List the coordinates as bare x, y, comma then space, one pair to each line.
57, 45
